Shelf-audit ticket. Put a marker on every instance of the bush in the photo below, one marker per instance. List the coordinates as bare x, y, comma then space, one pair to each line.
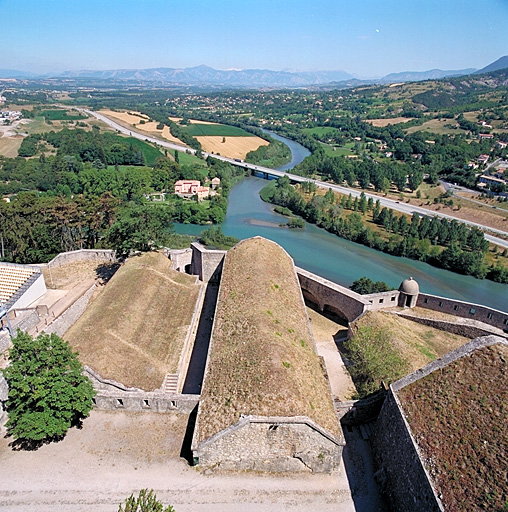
146, 502
374, 360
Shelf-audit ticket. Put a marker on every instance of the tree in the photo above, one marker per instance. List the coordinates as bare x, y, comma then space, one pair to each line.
47, 392
146, 502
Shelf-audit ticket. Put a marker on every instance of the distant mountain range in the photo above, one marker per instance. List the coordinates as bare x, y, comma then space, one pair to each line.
255, 78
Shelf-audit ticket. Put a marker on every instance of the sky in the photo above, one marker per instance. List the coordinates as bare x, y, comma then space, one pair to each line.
366, 38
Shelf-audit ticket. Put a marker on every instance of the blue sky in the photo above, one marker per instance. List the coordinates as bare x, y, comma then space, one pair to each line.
368, 38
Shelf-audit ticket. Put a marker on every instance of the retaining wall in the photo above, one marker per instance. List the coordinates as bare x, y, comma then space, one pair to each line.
463, 309
354, 412
180, 258
331, 296
69, 317
81, 255
113, 396
271, 444
206, 263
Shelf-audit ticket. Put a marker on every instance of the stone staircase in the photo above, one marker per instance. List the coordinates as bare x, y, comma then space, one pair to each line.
170, 384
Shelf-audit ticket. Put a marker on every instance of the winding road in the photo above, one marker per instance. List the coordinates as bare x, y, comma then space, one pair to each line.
406, 208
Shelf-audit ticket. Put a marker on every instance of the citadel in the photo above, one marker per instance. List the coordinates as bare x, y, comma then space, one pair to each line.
243, 361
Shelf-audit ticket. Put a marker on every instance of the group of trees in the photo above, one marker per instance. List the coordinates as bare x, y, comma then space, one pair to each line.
442, 243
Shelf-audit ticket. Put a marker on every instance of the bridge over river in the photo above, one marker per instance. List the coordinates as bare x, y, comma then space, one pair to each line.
267, 172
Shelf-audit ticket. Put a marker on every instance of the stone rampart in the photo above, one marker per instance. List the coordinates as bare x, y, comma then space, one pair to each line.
113, 396
354, 412
69, 317
382, 300
463, 309
81, 255
468, 330
408, 483
206, 263
329, 296
271, 444
181, 259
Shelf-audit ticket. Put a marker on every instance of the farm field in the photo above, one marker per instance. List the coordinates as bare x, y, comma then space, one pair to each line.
233, 147
322, 130
9, 145
134, 331
208, 129
436, 126
132, 120
381, 123
61, 115
337, 150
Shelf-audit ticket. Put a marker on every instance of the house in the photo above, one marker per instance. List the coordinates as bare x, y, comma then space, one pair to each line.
491, 180
502, 144
483, 159
486, 136
187, 188
215, 182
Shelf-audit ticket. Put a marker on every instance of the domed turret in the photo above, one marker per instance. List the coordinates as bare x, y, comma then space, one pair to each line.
409, 291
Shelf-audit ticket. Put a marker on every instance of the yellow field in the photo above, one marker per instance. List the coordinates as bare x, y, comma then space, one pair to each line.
234, 147
381, 123
132, 119
9, 146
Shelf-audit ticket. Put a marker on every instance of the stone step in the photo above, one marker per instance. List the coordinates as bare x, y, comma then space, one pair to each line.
170, 383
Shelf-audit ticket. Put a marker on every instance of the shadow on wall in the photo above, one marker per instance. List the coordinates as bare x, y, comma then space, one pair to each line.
195, 373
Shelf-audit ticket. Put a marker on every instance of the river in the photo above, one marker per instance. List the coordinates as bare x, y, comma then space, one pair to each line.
339, 260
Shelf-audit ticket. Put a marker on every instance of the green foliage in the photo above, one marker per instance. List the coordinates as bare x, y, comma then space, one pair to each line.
145, 502
216, 130
215, 238
61, 115
374, 360
140, 228
47, 391
364, 285
296, 223
273, 155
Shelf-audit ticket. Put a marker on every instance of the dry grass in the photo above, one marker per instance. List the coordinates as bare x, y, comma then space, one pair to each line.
436, 126
234, 147
132, 120
417, 343
134, 331
386, 121
262, 359
67, 276
9, 146
459, 417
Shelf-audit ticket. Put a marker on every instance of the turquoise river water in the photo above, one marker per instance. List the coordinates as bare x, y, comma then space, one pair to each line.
339, 260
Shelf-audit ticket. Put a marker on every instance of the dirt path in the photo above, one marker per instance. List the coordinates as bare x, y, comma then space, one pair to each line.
325, 333
116, 453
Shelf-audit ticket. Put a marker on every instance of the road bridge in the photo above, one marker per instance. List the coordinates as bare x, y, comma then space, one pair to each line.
267, 173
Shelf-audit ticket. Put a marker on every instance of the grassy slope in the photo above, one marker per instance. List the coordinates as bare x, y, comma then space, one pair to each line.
417, 343
134, 331
459, 416
262, 359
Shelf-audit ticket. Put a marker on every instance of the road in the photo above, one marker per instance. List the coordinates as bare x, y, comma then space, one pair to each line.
408, 209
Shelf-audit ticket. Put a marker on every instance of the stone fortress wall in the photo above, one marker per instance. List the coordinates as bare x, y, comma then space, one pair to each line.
396, 451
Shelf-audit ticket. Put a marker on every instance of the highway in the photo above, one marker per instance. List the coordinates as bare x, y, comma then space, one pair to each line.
388, 203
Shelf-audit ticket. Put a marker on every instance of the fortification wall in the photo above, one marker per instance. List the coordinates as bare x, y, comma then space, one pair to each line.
407, 483
181, 259
112, 396
80, 255
206, 263
382, 300
330, 296
462, 329
354, 412
271, 444
463, 309
69, 317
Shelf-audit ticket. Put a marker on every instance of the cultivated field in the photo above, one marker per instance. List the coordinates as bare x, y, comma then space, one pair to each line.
9, 145
438, 126
234, 147
380, 123
132, 120
134, 331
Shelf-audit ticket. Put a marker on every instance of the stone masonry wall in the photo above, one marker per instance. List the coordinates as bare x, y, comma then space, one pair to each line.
483, 314
180, 258
466, 330
69, 317
407, 482
332, 296
207, 264
81, 255
271, 444
113, 396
